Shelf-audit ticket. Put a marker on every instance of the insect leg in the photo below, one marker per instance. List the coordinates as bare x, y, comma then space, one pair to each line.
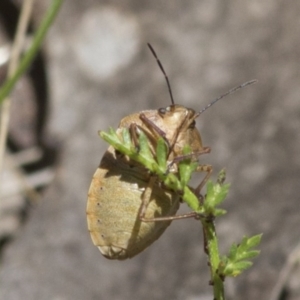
155, 128
146, 198
171, 218
145, 202
133, 133
203, 168
194, 155
205, 150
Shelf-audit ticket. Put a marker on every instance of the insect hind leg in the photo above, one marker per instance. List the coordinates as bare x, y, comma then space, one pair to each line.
146, 198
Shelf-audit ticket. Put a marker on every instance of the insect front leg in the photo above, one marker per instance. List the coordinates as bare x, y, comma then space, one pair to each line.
152, 126
133, 129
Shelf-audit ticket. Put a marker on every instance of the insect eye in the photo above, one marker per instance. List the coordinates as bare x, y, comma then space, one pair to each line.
192, 125
162, 111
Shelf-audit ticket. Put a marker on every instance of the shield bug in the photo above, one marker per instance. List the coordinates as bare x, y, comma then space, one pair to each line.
127, 208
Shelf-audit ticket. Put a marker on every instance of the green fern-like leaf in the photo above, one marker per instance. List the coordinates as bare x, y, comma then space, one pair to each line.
239, 255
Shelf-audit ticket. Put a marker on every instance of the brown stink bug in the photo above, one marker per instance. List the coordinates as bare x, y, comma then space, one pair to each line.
127, 208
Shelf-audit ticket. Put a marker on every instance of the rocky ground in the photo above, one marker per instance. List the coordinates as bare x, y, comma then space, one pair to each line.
101, 70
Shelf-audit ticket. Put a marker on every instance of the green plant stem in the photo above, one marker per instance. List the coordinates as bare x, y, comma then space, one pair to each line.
30, 54
212, 249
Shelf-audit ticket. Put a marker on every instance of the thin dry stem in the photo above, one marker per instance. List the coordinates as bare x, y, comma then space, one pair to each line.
286, 273
13, 64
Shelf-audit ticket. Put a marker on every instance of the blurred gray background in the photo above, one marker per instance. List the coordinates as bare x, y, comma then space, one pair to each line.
101, 70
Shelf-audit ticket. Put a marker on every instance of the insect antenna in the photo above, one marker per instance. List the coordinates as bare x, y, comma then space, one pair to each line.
226, 94
163, 70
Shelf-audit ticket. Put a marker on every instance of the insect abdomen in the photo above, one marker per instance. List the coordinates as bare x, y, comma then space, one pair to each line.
114, 201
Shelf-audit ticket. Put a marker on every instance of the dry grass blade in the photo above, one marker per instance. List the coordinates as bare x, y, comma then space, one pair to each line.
13, 64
